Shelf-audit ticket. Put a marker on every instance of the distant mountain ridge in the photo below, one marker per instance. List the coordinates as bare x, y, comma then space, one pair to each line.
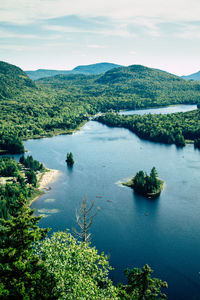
194, 76
93, 69
137, 85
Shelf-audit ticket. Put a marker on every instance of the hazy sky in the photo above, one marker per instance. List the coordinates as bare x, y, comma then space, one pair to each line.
61, 34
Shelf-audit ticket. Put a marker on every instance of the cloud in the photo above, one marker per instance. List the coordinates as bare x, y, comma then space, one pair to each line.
189, 31
7, 34
119, 30
97, 46
23, 11
18, 48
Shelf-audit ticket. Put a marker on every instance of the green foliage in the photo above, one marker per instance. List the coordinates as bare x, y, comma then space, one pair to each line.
22, 274
81, 273
147, 185
16, 188
197, 143
10, 142
12, 80
9, 195
61, 103
141, 286
31, 163
8, 167
31, 177
168, 129
70, 159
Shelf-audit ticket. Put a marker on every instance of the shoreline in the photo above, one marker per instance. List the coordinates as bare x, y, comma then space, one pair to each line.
49, 176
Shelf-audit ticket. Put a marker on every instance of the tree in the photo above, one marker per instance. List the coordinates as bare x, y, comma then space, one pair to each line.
22, 274
81, 273
154, 179
31, 177
141, 286
70, 159
84, 219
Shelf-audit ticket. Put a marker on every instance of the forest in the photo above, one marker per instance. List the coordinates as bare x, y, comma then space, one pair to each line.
60, 266
174, 128
18, 181
60, 104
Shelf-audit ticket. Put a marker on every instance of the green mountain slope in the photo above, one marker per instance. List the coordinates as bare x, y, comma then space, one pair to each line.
61, 103
86, 69
95, 69
13, 80
194, 76
128, 87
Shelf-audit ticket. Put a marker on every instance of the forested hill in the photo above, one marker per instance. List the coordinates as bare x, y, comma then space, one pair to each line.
13, 80
195, 76
150, 83
95, 69
85, 69
129, 87
61, 103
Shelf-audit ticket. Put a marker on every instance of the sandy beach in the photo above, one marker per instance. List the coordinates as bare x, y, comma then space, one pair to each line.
45, 180
48, 177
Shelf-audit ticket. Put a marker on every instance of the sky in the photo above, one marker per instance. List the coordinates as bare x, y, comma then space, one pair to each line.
62, 34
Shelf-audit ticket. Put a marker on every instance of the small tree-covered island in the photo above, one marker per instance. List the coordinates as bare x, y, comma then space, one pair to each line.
70, 159
147, 185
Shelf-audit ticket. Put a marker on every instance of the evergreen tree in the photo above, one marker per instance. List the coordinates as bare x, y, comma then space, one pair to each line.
22, 274
70, 159
141, 286
31, 177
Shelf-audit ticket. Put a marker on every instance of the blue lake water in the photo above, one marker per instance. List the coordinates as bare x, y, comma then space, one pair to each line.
168, 238
161, 110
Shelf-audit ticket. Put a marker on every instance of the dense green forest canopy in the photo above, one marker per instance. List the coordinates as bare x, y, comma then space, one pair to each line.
169, 129
17, 181
61, 103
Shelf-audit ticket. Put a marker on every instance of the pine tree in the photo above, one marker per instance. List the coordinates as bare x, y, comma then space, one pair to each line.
22, 274
141, 286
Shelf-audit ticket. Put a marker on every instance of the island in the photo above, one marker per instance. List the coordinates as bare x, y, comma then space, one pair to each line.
70, 159
149, 186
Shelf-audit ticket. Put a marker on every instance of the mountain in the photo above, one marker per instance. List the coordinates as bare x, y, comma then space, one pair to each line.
194, 76
13, 80
135, 86
59, 104
95, 69
42, 73
85, 69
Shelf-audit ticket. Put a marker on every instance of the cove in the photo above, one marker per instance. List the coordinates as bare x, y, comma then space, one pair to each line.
129, 228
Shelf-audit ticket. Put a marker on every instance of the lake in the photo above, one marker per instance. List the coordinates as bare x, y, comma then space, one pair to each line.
129, 228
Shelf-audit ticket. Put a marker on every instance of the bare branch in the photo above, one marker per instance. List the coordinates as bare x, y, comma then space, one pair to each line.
84, 220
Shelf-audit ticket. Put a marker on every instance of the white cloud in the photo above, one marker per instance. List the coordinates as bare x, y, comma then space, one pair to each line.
23, 11
97, 46
120, 31
18, 48
132, 52
10, 35
189, 32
